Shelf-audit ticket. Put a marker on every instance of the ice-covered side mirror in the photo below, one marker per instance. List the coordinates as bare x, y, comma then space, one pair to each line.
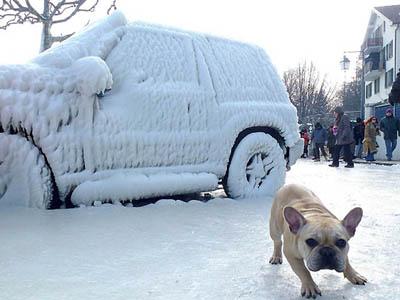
91, 74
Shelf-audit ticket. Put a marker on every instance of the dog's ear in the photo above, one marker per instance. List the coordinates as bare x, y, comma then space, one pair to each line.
294, 219
352, 219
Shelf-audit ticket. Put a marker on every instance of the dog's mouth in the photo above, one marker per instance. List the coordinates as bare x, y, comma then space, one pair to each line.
332, 267
325, 265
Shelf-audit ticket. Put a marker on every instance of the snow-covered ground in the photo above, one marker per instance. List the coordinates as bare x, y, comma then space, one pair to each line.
197, 250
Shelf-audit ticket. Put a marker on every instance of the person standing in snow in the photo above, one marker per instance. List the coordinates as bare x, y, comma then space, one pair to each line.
331, 141
358, 132
394, 95
344, 138
305, 136
370, 133
318, 137
390, 127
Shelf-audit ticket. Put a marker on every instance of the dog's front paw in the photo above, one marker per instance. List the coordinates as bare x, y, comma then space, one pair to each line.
310, 289
275, 260
356, 278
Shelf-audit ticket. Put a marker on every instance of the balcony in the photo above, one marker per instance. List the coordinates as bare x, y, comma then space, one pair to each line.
374, 65
372, 45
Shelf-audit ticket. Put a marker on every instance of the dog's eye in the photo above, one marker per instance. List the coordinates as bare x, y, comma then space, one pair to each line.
341, 243
311, 243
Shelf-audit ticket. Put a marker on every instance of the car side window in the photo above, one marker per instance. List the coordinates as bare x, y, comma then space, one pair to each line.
240, 64
203, 71
163, 56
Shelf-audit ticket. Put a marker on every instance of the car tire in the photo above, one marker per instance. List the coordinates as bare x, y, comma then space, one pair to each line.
25, 178
257, 167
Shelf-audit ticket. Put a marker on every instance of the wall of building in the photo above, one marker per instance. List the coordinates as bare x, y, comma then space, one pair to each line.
388, 36
397, 49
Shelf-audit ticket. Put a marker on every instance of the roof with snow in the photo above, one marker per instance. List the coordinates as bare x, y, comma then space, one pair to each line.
391, 12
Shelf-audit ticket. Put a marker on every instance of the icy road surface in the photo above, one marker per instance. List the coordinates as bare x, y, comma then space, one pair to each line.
195, 250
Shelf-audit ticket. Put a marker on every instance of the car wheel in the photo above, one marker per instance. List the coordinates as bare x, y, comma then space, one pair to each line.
256, 169
25, 179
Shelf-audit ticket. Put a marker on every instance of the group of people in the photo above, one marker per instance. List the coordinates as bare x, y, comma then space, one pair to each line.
352, 142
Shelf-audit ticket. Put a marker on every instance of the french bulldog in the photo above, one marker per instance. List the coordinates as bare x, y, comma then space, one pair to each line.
312, 236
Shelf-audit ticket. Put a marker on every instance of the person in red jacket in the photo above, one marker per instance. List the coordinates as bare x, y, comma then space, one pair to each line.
306, 137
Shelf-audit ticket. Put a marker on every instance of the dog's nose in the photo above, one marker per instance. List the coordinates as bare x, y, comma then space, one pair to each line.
326, 252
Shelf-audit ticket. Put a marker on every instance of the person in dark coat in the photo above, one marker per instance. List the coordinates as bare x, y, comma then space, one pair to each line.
390, 126
344, 138
331, 141
358, 132
318, 137
394, 95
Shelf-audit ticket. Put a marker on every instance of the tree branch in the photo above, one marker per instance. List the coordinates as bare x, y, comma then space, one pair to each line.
78, 8
62, 10
112, 6
13, 12
32, 10
61, 38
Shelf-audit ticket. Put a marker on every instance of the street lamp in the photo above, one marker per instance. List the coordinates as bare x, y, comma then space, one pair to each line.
345, 65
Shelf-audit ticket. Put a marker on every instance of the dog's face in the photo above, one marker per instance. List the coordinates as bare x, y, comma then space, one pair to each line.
323, 242
324, 246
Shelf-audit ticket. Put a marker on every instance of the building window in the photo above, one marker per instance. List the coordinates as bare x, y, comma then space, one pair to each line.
389, 51
368, 90
378, 32
389, 78
377, 83
382, 56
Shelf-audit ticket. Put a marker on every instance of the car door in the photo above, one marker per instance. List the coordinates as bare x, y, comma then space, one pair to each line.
203, 113
148, 110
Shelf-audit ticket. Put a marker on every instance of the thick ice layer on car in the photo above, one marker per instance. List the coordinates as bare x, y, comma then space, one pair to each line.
138, 186
120, 96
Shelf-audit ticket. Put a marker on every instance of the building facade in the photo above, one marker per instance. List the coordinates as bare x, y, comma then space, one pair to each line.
381, 62
381, 58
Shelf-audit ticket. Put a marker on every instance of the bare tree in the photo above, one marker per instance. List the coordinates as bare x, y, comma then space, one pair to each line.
50, 13
351, 95
309, 92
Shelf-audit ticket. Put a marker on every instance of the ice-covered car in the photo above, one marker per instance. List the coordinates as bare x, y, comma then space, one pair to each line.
129, 111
